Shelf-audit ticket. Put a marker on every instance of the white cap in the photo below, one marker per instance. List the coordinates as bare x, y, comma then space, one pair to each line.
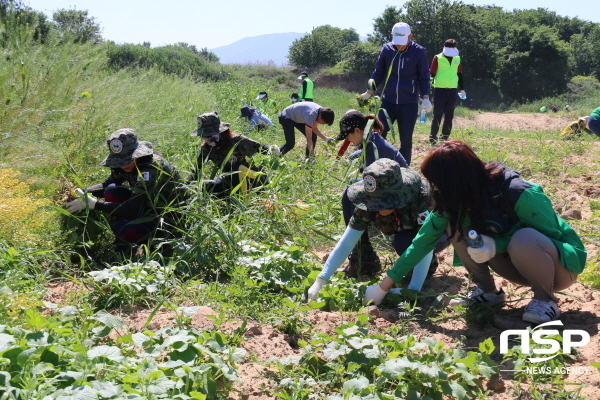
400, 33
261, 96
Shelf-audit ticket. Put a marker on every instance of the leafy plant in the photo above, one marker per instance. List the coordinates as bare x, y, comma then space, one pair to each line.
356, 364
131, 284
73, 356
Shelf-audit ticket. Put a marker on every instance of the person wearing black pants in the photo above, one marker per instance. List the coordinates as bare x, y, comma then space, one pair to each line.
306, 117
446, 69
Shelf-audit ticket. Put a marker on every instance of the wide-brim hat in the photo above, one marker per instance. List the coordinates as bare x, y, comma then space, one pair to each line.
125, 147
385, 186
209, 124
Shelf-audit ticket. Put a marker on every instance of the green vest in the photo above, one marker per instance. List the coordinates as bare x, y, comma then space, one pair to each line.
309, 89
447, 74
265, 106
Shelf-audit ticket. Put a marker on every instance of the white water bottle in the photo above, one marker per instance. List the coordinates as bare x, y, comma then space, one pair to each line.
474, 239
423, 116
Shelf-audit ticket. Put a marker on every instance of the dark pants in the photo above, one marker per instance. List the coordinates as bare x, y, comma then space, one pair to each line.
594, 125
444, 103
406, 115
290, 136
129, 230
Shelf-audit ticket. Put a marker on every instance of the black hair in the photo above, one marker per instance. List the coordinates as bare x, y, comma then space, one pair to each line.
327, 115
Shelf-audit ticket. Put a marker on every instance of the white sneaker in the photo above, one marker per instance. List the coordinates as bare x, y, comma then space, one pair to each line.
538, 311
479, 296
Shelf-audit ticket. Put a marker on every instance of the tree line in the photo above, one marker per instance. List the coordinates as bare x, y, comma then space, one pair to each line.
508, 56
21, 27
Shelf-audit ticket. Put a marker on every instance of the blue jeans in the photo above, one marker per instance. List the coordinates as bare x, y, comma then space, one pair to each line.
594, 125
406, 115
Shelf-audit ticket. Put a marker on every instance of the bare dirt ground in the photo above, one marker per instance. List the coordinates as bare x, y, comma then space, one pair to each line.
580, 305
521, 122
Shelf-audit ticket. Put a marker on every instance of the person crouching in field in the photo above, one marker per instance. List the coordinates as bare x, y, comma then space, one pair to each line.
576, 128
306, 116
229, 152
524, 240
396, 200
256, 119
141, 188
594, 122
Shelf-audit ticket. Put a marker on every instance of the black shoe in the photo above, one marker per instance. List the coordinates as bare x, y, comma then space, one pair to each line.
358, 268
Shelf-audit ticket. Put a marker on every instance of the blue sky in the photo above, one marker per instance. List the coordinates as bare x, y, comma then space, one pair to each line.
220, 22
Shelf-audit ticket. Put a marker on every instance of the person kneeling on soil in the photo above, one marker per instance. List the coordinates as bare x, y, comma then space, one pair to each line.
396, 200
524, 240
139, 189
576, 128
230, 152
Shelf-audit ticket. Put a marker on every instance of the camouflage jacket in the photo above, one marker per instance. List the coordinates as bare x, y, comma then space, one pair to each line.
227, 154
153, 184
404, 218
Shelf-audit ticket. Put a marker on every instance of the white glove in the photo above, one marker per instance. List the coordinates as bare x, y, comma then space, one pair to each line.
462, 94
274, 149
375, 293
79, 192
484, 253
330, 140
80, 203
365, 95
426, 105
313, 291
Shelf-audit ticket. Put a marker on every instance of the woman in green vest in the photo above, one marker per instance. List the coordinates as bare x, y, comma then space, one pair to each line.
446, 70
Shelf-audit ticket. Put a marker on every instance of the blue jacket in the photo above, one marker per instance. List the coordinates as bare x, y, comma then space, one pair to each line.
385, 150
409, 75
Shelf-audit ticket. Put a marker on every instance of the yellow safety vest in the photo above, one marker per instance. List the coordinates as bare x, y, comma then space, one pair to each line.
447, 73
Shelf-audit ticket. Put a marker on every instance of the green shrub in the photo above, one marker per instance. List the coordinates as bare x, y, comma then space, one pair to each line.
179, 59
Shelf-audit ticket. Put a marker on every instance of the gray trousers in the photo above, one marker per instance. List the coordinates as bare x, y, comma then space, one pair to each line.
531, 260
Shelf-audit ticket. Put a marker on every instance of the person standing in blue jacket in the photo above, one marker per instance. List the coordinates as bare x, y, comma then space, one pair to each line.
403, 69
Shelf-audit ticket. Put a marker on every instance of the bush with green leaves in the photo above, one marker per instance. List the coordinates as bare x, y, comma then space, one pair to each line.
276, 265
178, 59
131, 284
74, 356
357, 365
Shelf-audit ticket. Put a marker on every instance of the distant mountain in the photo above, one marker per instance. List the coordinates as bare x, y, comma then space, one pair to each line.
263, 49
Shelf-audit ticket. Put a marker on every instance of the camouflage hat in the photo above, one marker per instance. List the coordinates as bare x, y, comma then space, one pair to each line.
209, 124
125, 147
385, 186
